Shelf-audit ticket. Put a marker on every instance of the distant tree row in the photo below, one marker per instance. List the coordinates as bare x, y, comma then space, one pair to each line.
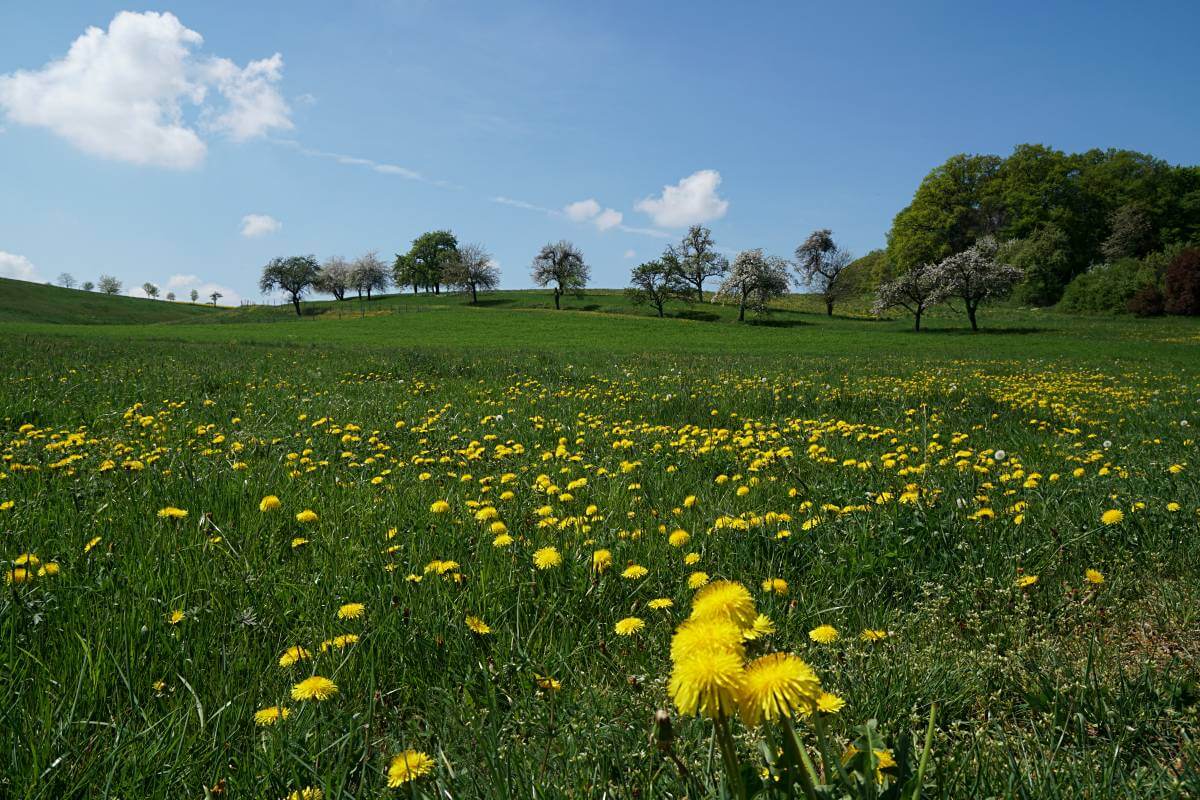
107, 284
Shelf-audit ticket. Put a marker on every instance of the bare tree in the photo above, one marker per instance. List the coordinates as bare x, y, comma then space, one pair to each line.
913, 291
195, 295
471, 268
821, 264
109, 285
562, 266
974, 276
656, 283
753, 282
87, 286
215, 296
150, 289
66, 280
171, 296
697, 260
368, 273
334, 277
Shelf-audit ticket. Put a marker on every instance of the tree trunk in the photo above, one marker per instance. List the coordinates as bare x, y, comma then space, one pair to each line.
557, 307
971, 316
474, 295
295, 302
660, 310
368, 294
829, 308
437, 288
414, 288
917, 320
700, 291
742, 312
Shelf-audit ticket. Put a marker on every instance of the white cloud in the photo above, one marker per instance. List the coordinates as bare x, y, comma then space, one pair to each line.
228, 296
691, 201
182, 281
121, 93
590, 211
630, 254
19, 267
182, 286
259, 225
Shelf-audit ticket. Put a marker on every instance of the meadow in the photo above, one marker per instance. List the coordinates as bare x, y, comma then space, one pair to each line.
411, 548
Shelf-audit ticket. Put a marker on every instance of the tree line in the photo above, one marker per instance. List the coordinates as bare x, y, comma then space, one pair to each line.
108, 284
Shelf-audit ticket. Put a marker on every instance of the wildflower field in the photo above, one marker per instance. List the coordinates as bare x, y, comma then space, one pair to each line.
333, 568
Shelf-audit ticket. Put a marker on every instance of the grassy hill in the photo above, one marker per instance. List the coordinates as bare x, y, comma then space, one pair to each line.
22, 301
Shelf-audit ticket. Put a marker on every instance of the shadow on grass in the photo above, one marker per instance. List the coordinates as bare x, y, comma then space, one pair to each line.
778, 323
1007, 331
698, 316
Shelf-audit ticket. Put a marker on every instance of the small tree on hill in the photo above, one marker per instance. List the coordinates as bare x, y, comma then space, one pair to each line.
561, 265
150, 289
913, 291
171, 296
214, 297
696, 259
1182, 283
87, 286
109, 285
334, 277
66, 280
293, 275
974, 276
195, 295
753, 282
470, 269
822, 264
368, 274
656, 283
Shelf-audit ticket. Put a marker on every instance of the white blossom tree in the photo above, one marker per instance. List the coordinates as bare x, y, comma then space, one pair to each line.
471, 268
913, 291
369, 273
696, 260
753, 281
334, 277
822, 264
974, 276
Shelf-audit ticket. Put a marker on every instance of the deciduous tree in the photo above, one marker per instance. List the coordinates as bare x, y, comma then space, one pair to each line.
368, 274
293, 275
561, 265
974, 276
697, 260
66, 280
109, 285
472, 269
656, 283
753, 282
913, 291
822, 267
333, 278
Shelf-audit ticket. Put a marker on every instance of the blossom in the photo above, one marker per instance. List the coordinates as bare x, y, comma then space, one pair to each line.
1025, 580
829, 703
503, 540
778, 685
268, 503
1113, 516
175, 617
679, 538
823, 634
697, 579
629, 626
314, 688
547, 558
271, 715
727, 600
408, 766
873, 635
707, 683
1093, 576
171, 512
351, 611
293, 655
635, 571
478, 626
439, 507
601, 560
777, 585
660, 603
306, 516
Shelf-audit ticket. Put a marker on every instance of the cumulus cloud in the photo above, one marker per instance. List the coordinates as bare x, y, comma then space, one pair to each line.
183, 281
259, 225
590, 211
121, 93
19, 267
690, 202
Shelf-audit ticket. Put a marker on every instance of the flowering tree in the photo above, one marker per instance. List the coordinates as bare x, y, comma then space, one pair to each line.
974, 276
822, 264
471, 268
696, 260
753, 281
369, 273
334, 277
913, 291
109, 285
562, 266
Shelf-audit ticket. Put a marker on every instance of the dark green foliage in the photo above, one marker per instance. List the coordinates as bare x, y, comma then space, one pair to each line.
866, 273
422, 266
1106, 288
1182, 284
1045, 257
295, 276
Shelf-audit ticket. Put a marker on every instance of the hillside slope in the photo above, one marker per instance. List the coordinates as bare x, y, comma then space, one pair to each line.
22, 301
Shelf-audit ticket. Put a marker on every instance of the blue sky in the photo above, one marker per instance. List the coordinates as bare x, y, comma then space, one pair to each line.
142, 153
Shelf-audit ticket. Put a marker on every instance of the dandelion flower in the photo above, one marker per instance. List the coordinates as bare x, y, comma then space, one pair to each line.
306, 516
293, 655
27, 560
777, 585
87, 548
340, 642
829, 703
271, 715
679, 538
314, 688
408, 766
299, 542
50, 568
1113, 516
635, 571
823, 634
268, 503
18, 575
763, 626
439, 507
660, 603
601, 560
629, 626
307, 793
776, 686
727, 600
873, 635
175, 617
351, 611
547, 682
1093, 576
707, 683
547, 558
706, 635
478, 626
697, 579
1025, 580
171, 512
503, 540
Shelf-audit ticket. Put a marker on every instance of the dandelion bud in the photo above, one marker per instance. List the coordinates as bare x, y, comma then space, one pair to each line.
664, 734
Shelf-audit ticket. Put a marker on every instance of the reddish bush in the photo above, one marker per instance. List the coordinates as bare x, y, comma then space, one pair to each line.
1182, 284
1146, 302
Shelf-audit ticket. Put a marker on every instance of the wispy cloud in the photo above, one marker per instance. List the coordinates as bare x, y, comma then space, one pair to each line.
381, 167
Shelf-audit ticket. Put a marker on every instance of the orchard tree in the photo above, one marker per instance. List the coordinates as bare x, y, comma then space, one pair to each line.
1131, 234
913, 291
334, 277
368, 274
822, 266
974, 276
109, 285
171, 296
422, 265
87, 286
656, 283
753, 282
471, 269
66, 280
150, 289
696, 259
293, 275
215, 296
561, 265
195, 295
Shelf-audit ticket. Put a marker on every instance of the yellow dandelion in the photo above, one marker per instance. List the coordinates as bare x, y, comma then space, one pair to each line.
271, 715
50, 568
727, 600
175, 617
269, 503
299, 542
547, 558
307, 793
629, 626
659, 603
829, 703
697, 579
439, 507
601, 560
1113, 516
635, 571
18, 575
1025, 580
1093, 576
314, 688
777, 585
823, 634
679, 538
351, 611
707, 683
478, 626
339, 642
306, 516
503, 540
293, 655
27, 560
547, 682
171, 512
408, 766
873, 635
763, 626
87, 548
706, 635
776, 686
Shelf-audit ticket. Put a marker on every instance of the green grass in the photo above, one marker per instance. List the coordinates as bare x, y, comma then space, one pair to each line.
1060, 689
22, 301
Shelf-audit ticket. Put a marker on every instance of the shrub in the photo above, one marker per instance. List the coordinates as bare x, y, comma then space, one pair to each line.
1147, 301
1105, 288
1182, 284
